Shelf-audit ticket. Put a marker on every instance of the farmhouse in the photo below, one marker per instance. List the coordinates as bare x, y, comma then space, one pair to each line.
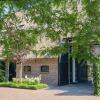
53, 70
60, 70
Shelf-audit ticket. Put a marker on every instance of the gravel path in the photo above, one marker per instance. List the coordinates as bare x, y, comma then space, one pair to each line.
69, 92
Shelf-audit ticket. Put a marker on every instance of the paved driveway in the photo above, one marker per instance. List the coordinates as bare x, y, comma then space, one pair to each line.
69, 92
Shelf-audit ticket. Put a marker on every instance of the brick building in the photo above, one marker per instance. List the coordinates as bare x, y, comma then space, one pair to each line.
46, 67
56, 71
53, 71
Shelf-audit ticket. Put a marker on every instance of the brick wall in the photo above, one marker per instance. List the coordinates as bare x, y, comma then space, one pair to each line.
50, 77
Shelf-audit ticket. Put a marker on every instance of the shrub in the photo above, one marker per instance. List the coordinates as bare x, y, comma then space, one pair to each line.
36, 81
5, 84
23, 85
2, 77
15, 80
40, 86
2, 71
30, 81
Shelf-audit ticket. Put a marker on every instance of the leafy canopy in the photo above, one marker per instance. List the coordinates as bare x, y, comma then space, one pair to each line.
56, 19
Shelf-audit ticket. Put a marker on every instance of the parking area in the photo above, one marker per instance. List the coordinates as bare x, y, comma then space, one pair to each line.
68, 92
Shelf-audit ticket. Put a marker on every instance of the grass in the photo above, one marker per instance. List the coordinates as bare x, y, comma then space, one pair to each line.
23, 85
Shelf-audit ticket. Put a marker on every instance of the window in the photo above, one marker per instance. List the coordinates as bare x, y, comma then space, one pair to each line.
27, 68
44, 68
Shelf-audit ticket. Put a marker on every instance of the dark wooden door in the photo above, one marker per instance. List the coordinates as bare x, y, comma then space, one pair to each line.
66, 73
63, 70
82, 73
12, 71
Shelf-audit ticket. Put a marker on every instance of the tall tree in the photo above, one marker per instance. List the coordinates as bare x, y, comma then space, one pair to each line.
15, 38
57, 18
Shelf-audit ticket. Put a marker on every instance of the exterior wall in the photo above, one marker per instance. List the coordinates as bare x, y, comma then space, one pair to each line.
50, 77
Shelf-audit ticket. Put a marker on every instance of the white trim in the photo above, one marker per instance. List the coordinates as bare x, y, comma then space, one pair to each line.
74, 72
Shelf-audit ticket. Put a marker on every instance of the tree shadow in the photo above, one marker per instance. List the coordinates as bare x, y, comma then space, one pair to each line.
73, 90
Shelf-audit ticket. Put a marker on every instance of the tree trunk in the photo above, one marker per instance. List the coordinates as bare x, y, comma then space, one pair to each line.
7, 72
96, 79
20, 72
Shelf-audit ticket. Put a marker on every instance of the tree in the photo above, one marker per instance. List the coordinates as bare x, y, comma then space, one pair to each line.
57, 18
81, 20
16, 41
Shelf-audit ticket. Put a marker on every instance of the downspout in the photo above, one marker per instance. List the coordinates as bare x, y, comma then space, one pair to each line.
59, 70
74, 71
68, 62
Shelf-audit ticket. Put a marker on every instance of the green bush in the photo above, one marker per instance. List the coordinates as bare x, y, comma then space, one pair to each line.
30, 81
36, 81
2, 71
26, 83
2, 76
40, 86
23, 85
5, 84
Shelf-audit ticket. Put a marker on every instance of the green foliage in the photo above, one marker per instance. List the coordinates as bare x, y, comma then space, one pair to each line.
2, 75
55, 19
30, 81
96, 78
23, 85
2, 72
40, 86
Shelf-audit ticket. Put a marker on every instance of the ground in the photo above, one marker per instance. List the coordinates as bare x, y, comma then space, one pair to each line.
69, 92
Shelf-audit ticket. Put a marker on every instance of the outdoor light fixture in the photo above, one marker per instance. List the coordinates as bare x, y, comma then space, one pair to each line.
97, 49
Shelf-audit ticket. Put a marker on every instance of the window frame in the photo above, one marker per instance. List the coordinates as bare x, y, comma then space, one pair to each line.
27, 69
44, 68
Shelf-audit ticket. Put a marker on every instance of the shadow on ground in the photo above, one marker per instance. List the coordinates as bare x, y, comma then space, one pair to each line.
73, 90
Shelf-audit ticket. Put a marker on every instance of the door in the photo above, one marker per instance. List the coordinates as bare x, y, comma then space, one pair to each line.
12, 71
82, 72
63, 70
70, 71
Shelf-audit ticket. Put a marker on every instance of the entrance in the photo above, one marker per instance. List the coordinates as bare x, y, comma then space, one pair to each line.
12, 71
70, 71
63, 70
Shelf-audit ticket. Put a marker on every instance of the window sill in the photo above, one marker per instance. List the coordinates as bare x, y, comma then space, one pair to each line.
44, 72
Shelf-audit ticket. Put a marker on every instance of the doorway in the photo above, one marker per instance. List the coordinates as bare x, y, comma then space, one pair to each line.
63, 70
12, 71
70, 71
